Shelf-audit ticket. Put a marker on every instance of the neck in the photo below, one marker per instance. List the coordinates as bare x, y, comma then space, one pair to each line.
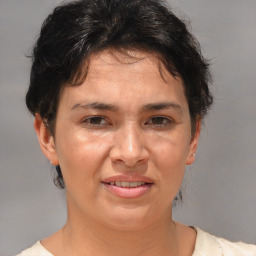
83, 237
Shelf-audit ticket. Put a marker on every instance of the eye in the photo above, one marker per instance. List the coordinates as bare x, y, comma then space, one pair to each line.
159, 121
95, 121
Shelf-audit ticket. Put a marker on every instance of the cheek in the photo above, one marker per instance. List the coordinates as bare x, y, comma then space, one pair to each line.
170, 155
81, 156
171, 149
171, 163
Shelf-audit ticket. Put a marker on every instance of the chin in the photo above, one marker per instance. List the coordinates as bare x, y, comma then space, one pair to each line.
130, 218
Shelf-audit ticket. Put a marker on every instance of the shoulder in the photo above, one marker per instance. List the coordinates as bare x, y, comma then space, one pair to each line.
36, 250
209, 245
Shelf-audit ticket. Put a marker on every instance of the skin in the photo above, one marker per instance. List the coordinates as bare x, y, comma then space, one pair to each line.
126, 118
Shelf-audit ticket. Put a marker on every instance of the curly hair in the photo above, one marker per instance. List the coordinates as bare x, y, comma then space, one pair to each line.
77, 29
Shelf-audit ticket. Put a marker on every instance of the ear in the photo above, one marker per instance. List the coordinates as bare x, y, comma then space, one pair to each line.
46, 140
194, 143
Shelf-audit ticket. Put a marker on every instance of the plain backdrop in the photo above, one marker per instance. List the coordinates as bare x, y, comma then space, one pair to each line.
219, 188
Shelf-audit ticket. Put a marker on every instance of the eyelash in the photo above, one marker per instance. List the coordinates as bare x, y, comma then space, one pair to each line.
156, 121
164, 121
95, 121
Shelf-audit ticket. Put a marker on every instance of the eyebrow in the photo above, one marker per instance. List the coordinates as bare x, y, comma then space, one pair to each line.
96, 105
111, 107
162, 105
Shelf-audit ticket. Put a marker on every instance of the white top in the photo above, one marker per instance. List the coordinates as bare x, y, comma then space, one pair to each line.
206, 245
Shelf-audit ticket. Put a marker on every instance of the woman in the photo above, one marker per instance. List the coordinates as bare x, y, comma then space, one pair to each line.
119, 90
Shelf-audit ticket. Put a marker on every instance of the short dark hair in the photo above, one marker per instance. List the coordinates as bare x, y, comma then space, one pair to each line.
77, 29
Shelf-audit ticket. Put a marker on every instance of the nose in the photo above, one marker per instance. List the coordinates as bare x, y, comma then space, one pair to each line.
129, 147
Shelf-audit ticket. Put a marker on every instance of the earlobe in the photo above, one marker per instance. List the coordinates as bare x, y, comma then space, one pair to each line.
193, 144
46, 140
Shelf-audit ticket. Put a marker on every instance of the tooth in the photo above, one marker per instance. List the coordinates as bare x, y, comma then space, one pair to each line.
125, 184
134, 184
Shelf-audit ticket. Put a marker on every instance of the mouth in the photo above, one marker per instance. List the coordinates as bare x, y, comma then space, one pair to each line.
127, 184
126, 188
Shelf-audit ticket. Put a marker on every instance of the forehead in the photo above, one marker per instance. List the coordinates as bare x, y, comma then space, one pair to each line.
128, 59
132, 77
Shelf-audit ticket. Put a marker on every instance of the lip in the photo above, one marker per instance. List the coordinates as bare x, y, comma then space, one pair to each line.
128, 192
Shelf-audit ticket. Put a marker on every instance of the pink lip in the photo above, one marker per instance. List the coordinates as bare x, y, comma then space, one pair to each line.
128, 192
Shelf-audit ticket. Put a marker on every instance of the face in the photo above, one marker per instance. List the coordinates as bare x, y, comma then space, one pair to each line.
122, 140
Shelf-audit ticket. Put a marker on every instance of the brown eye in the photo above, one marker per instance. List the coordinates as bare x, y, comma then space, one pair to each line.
159, 121
95, 121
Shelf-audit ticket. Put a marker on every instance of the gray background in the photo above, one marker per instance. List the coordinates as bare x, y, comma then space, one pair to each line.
220, 191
